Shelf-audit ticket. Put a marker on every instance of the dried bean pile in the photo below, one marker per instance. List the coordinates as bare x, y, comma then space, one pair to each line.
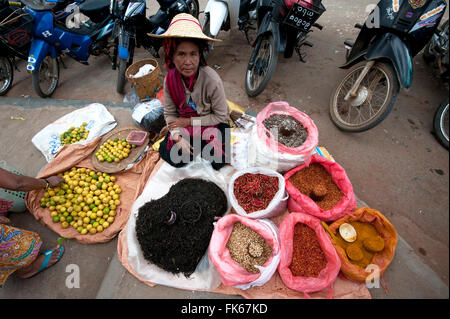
174, 231
248, 248
254, 192
291, 132
308, 258
315, 182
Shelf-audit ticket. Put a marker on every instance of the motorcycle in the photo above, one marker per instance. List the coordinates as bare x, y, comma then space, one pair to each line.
381, 61
15, 37
228, 14
283, 26
437, 53
52, 38
132, 26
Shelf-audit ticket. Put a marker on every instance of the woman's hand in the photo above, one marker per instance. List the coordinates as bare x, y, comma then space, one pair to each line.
183, 144
179, 123
55, 181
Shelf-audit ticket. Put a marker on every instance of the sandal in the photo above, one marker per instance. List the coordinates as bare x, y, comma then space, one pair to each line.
48, 254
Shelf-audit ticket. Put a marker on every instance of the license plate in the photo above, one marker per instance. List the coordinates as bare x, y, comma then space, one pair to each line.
301, 17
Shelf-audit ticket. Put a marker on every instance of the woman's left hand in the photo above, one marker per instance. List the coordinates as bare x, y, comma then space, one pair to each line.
179, 123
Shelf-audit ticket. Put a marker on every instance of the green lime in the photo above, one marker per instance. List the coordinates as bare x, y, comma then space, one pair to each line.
95, 176
56, 219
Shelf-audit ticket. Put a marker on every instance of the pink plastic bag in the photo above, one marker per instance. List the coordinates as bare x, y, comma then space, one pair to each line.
306, 3
327, 276
231, 273
283, 108
301, 203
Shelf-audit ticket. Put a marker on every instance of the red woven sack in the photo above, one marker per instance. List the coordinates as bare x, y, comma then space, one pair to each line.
327, 276
299, 202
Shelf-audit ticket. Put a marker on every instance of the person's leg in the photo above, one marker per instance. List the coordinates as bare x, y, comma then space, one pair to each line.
165, 153
220, 156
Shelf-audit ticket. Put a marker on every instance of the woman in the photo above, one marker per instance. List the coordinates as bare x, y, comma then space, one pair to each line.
19, 249
195, 106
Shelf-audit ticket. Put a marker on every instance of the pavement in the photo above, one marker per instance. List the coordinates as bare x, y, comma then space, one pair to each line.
397, 167
101, 273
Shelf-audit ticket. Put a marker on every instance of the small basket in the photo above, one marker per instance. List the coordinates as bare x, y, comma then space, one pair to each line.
148, 85
136, 137
17, 197
15, 27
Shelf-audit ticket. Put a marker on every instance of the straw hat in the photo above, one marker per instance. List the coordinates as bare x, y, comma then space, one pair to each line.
184, 25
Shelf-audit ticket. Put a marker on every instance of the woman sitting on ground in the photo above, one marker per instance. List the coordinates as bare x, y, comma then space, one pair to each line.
195, 106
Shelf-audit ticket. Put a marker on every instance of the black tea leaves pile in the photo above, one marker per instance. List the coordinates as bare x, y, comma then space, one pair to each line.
174, 231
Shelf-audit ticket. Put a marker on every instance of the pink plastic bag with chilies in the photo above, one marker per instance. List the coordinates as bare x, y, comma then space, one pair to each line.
327, 276
299, 202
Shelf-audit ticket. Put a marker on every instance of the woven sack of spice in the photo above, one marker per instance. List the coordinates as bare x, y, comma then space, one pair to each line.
232, 273
269, 152
264, 197
327, 275
384, 229
299, 202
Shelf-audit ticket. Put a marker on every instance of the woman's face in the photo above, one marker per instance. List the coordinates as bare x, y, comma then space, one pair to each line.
187, 58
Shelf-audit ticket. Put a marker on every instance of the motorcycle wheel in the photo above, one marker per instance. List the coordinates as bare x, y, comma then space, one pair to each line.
123, 65
375, 98
6, 75
257, 78
428, 55
46, 78
194, 8
441, 123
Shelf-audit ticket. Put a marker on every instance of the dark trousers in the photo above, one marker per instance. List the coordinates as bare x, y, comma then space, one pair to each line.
225, 157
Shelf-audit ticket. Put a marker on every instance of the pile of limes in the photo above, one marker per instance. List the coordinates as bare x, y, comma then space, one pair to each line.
87, 200
114, 150
74, 134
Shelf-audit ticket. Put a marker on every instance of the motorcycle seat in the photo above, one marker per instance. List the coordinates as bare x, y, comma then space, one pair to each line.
85, 28
93, 5
157, 19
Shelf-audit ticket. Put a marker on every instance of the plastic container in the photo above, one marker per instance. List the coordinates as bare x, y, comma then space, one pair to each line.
136, 137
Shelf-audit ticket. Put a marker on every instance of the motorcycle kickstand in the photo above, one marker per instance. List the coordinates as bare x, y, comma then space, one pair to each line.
62, 62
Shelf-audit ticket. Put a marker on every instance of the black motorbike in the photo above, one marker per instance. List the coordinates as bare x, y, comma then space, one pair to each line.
281, 29
436, 53
131, 28
381, 61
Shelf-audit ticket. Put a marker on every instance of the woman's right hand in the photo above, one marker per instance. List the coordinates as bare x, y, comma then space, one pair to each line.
183, 144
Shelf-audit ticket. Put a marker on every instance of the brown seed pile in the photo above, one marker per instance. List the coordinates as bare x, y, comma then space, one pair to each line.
315, 182
291, 132
248, 248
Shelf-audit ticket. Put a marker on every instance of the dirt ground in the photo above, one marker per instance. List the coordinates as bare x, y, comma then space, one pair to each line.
397, 167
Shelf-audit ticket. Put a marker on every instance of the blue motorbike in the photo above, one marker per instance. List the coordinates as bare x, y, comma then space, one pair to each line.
53, 38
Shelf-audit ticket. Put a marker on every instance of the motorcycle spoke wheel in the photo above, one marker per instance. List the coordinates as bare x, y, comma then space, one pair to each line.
259, 75
194, 8
374, 99
46, 78
6, 75
441, 124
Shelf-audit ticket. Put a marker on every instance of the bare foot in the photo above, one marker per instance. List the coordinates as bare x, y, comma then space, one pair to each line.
34, 267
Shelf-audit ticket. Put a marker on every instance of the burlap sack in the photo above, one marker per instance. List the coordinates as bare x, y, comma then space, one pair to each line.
131, 182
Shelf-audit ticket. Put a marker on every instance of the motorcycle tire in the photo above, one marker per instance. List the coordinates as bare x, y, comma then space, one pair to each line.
121, 80
291, 41
263, 69
45, 79
194, 8
441, 124
382, 79
6, 75
122, 66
